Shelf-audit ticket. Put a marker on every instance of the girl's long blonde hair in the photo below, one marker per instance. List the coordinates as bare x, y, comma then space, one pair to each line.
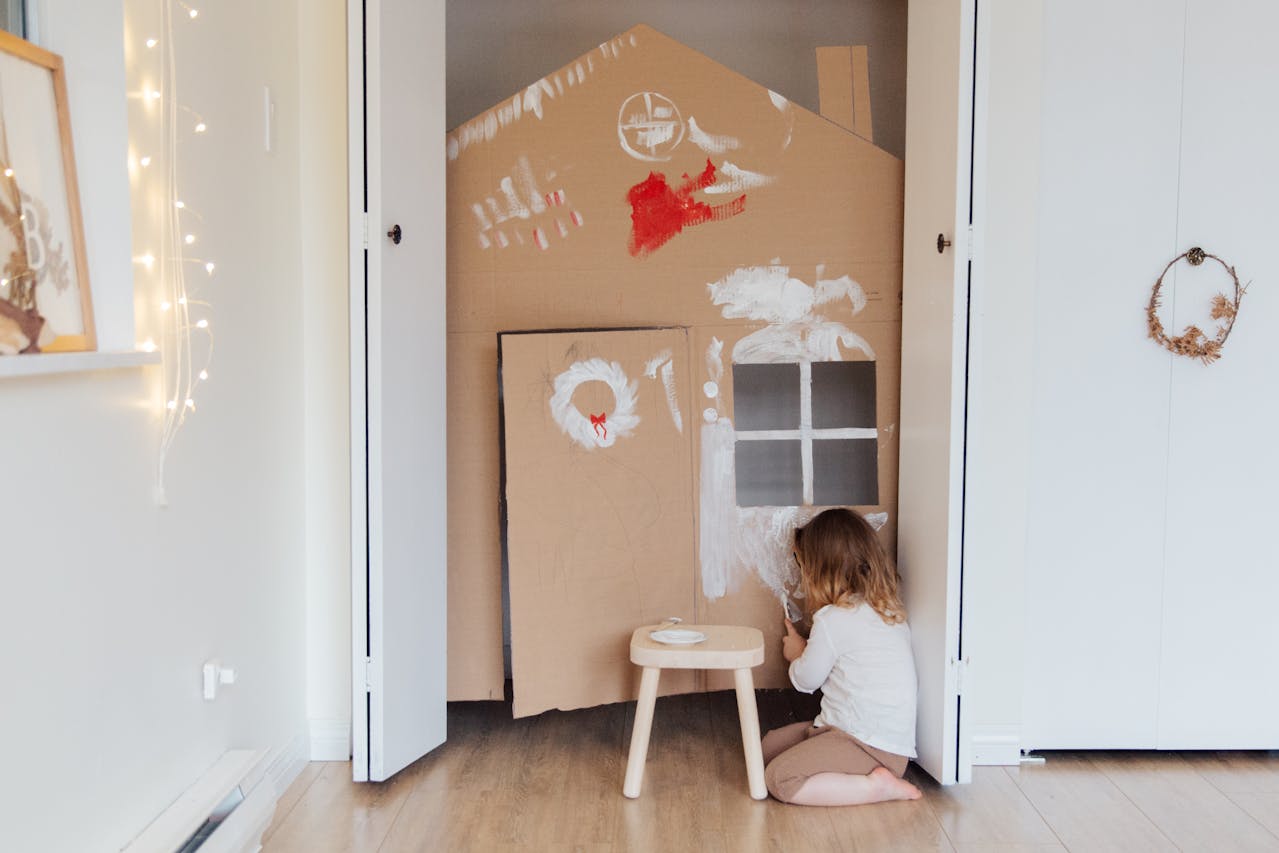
842, 562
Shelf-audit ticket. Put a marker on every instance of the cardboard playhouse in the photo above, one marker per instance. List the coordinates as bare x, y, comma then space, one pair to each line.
674, 333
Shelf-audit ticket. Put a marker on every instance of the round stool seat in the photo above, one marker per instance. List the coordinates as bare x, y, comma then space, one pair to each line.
725, 647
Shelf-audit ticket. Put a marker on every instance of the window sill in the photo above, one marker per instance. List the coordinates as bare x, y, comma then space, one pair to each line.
73, 362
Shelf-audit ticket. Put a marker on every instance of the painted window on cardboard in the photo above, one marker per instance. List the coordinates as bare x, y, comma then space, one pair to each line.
806, 434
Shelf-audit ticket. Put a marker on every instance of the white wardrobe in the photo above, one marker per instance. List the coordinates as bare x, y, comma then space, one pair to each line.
1152, 560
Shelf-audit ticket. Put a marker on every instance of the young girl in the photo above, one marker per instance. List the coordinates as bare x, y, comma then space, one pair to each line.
858, 653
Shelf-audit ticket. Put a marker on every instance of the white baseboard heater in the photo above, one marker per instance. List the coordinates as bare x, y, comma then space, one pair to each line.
226, 811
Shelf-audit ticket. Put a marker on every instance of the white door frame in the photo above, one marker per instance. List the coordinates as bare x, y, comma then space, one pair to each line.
358, 245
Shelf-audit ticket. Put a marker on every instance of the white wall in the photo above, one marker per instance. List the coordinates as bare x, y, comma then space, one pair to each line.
111, 605
322, 37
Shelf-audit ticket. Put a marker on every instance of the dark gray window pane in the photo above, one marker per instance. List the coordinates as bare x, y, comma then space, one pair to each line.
766, 396
845, 472
769, 473
843, 394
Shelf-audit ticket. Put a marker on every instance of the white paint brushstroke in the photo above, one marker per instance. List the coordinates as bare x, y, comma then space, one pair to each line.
734, 179
771, 294
825, 339
484, 128
619, 423
528, 184
805, 340
785, 108
715, 371
515, 207
710, 389
672, 401
877, 520
651, 366
764, 543
710, 415
767, 293
649, 127
789, 434
715, 360
533, 96
735, 542
806, 428
718, 510
711, 143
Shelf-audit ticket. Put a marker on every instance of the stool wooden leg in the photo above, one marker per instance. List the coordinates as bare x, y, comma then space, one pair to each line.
639, 732
748, 714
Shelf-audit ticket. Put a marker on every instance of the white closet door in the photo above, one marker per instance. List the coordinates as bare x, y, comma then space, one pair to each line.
1220, 651
939, 98
1099, 433
399, 692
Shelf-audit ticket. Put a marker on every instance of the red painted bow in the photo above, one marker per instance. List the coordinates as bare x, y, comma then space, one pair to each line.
597, 421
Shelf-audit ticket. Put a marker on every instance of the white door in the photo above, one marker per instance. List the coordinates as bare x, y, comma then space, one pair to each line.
939, 98
396, 56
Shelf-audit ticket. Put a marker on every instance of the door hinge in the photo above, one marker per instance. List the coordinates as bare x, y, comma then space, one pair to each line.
961, 673
368, 675
365, 230
970, 241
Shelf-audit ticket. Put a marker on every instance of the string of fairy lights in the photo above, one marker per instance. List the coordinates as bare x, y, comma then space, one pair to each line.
185, 335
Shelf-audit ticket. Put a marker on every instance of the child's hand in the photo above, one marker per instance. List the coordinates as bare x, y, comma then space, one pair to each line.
793, 644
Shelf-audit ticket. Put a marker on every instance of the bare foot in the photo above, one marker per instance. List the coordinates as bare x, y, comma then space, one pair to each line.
893, 788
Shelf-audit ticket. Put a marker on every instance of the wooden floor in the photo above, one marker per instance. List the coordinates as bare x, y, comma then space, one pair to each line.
553, 783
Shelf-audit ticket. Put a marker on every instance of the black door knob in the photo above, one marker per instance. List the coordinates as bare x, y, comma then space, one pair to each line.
942, 243
395, 234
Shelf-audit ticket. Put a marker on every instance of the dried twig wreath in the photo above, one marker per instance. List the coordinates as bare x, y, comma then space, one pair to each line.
1192, 342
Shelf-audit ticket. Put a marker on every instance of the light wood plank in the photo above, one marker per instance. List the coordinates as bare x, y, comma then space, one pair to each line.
1238, 772
905, 826
1085, 809
755, 826
679, 808
335, 814
431, 818
1264, 809
293, 794
1184, 805
992, 810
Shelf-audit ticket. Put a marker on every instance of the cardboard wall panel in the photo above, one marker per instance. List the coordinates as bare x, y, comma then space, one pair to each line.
599, 525
787, 250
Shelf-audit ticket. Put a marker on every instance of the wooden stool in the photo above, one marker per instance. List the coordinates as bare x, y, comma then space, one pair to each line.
725, 647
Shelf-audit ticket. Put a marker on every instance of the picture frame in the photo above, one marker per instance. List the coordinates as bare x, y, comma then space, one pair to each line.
45, 301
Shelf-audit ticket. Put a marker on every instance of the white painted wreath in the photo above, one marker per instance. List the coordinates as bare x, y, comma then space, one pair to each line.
604, 428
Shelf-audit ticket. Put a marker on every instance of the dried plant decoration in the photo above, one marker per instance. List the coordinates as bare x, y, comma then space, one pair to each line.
1193, 342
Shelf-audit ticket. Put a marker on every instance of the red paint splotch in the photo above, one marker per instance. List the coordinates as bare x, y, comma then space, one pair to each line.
659, 212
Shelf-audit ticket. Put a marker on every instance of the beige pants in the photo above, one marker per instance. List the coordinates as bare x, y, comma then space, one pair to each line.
794, 753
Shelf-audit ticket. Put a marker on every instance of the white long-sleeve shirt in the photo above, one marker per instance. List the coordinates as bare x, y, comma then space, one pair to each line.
866, 671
